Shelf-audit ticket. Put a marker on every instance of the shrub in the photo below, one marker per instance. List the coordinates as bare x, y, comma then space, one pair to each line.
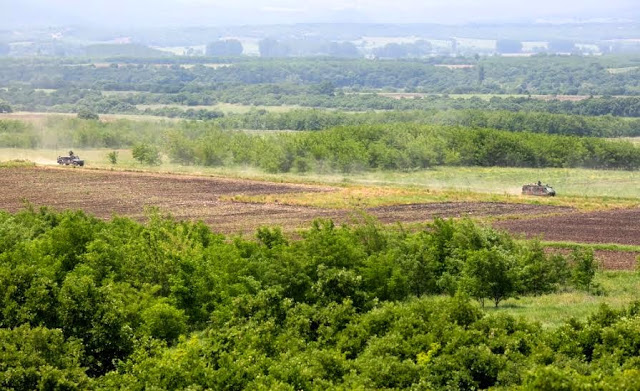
88, 115
113, 157
584, 268
146, 154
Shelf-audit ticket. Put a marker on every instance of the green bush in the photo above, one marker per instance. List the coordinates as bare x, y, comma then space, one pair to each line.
88, 115
584, 268
146, 154
113, 157
86, 303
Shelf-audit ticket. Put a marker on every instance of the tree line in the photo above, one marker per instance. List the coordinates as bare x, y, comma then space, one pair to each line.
574, 75
92, 304
534, 122
323, 95
393, 146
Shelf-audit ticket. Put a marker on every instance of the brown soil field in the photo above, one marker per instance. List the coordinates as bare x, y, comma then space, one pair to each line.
620, 226
422, 212
104, 193
610, 260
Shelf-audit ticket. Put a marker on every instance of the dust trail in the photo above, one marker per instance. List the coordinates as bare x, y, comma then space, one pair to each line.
44, 161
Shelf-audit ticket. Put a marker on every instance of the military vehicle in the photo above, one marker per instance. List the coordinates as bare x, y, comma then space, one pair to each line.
72, 159
538, 189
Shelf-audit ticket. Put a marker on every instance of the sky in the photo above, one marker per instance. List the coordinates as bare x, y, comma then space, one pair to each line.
146, 13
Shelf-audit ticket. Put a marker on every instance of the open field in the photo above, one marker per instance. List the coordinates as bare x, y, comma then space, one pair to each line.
580, 188
409, 95
593, 206
241, 205
229, 108
104, 193
612, 226
584, 188
621, 288
40, 118
635, 140
622, 70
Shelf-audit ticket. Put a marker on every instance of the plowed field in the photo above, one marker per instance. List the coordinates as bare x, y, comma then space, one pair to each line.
621, 226
104, 193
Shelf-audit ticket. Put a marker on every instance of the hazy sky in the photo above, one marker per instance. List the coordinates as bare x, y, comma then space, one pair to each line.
234, 12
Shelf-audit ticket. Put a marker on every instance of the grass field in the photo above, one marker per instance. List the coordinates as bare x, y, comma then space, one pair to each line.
41, 118
588, 189
486, 97
229, 108
620, 288
635, 140
503, 181
622, 70
581, 188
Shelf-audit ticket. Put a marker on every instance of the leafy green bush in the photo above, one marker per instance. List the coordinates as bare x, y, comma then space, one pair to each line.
88, 115
86, 303
146, 154
113, 157
584, 268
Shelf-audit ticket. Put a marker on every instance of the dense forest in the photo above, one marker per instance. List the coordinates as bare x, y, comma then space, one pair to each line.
568, 75
71, 100
535, 122
89, 304
191, 89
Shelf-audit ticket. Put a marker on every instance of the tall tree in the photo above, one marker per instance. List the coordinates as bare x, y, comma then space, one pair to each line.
561, 46
508, 46
271, 48
225, 48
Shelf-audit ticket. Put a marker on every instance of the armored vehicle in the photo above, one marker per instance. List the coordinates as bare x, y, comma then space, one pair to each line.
72, 159
538, 189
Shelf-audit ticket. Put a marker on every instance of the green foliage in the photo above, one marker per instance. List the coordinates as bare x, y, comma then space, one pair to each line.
541, 74
395, 147
146, 154
508, 46
40, 359
229, 47
5, 108
271, 48
17, 134
489, 274
88, 115
165, 322
113, 157
86, 303
584, 268
562, 46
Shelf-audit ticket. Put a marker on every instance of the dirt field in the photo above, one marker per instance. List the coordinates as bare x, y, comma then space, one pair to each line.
611, 260
421, 212
104, 193
615, 226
